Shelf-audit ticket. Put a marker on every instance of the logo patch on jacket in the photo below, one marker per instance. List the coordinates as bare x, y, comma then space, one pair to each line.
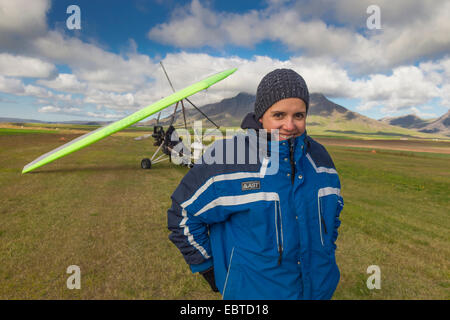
250, 185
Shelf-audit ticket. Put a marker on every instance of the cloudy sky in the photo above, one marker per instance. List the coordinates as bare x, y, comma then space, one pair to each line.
395, 65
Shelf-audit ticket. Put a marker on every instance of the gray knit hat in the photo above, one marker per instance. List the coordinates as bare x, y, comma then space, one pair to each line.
278, 85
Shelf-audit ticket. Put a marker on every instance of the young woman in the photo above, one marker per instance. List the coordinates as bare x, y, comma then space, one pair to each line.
263, 229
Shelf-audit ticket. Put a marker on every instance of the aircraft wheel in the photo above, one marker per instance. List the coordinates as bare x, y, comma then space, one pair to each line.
146, 163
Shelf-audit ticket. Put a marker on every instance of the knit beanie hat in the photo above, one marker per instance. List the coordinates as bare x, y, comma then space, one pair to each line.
278, 85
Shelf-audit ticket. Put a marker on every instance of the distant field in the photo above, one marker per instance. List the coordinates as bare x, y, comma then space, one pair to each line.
318, 127
363, 128
55, 127
403, 145
97, 209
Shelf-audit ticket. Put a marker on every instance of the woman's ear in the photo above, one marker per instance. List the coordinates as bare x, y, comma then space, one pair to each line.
260, 120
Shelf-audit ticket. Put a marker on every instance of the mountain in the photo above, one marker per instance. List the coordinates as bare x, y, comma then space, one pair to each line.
17, 120
227, 113
440, 125
409, 121
324, 118
230, 112
319, 105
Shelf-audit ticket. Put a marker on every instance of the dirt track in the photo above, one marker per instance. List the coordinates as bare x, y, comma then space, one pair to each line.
403, 145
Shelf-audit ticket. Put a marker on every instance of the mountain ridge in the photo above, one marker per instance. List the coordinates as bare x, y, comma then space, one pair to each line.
229, 112
439, 125
325, 117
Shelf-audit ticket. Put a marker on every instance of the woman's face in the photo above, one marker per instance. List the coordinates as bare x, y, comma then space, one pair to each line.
288, 116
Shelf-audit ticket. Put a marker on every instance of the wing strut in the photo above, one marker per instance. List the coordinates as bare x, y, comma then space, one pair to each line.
164, 139
182, 104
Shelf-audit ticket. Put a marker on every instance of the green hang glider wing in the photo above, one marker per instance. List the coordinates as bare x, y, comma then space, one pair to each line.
96, 135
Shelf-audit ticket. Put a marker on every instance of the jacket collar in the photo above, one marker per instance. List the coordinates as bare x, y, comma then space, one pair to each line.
250, 122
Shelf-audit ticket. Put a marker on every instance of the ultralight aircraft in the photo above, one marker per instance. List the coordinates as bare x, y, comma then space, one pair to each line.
163, 139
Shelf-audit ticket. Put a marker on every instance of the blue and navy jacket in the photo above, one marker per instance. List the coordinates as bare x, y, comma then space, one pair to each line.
267, 226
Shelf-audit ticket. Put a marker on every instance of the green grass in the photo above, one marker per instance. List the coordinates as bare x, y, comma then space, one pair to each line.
97, 209
396, 217
7, 131
399, 153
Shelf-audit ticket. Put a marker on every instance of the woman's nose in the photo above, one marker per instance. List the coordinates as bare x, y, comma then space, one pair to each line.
289, 124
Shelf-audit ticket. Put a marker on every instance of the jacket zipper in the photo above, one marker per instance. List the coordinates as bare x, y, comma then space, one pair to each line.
324, 225
278, 210
321, 220
291, 158
279, 231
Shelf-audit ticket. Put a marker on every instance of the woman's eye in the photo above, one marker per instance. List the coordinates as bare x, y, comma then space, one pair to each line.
299, 115
277, 115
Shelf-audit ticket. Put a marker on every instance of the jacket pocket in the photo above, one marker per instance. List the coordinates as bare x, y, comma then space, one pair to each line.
329, 205
233, 281
262, 228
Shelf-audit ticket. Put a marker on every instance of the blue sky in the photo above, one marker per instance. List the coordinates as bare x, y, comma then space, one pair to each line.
110, 67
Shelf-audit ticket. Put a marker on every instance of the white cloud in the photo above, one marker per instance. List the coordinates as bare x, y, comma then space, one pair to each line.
101, 69
198, 26
39, 92
49, 109
107, 116
18, 88
66, 82
190, 29
325, 76
368, 105
421, 114
353, 13
403, 88
22, 20
19, 15
11, 85
405, 84
406, 89
420, 37
73, 111
335, 59
111, 100
22, 66
407, 34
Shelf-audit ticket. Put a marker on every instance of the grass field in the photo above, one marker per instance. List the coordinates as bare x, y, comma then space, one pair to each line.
97, 209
